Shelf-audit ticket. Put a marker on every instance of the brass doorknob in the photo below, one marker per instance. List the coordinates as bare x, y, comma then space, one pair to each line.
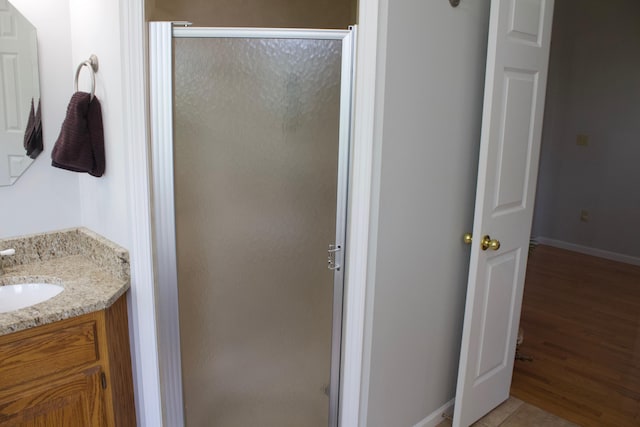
467, 238
489, 243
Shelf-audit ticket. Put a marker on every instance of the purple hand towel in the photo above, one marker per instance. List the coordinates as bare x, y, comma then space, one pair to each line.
80, 146
33, 133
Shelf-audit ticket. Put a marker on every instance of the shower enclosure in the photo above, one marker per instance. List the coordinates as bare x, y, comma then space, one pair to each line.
250, 155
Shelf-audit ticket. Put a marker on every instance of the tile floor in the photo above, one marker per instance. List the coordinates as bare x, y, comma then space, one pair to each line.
516, 413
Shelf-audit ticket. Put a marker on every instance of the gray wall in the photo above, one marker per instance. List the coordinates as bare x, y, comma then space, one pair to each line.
593, 89
433, 83
256, 13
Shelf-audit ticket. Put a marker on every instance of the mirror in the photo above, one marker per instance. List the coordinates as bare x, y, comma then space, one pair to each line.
20, 124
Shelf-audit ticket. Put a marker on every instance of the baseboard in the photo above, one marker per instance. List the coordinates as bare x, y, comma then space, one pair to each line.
614, 256
436, 417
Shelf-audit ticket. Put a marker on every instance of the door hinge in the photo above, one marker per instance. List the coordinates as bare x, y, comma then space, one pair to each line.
103, 380
331, 258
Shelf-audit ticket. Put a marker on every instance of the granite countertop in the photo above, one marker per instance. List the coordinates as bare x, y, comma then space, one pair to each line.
93, 271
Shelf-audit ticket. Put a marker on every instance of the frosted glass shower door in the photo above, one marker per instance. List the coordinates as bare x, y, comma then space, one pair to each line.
259, 193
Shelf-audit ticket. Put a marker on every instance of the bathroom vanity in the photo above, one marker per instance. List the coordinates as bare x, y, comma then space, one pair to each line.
66, 361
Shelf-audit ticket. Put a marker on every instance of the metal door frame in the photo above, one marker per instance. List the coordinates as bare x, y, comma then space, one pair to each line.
161, 36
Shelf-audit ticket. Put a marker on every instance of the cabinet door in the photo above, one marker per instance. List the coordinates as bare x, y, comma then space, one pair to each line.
72, 401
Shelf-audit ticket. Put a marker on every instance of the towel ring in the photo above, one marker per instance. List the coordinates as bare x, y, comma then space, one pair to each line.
92, 63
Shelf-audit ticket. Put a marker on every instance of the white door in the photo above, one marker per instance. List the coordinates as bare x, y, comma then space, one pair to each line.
515, 84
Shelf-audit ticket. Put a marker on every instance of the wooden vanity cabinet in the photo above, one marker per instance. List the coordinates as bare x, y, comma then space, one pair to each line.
75, 372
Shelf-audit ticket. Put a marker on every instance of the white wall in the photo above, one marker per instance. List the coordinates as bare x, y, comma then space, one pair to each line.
593, 89
433, 58
45, 198
95, 29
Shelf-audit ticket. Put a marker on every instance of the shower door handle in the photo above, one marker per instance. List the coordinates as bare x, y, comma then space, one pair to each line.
331, 258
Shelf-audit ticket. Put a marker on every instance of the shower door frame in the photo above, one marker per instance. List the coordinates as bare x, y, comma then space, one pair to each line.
161, 35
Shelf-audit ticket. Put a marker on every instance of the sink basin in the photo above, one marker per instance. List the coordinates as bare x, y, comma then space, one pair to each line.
14, 297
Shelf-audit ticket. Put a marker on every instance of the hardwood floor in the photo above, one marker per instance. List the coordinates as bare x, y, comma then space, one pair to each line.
581, 321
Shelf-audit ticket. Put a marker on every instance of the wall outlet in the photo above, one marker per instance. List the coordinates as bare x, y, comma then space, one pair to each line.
582, 140
584, 215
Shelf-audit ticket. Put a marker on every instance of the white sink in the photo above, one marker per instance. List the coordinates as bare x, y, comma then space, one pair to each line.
14, 297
